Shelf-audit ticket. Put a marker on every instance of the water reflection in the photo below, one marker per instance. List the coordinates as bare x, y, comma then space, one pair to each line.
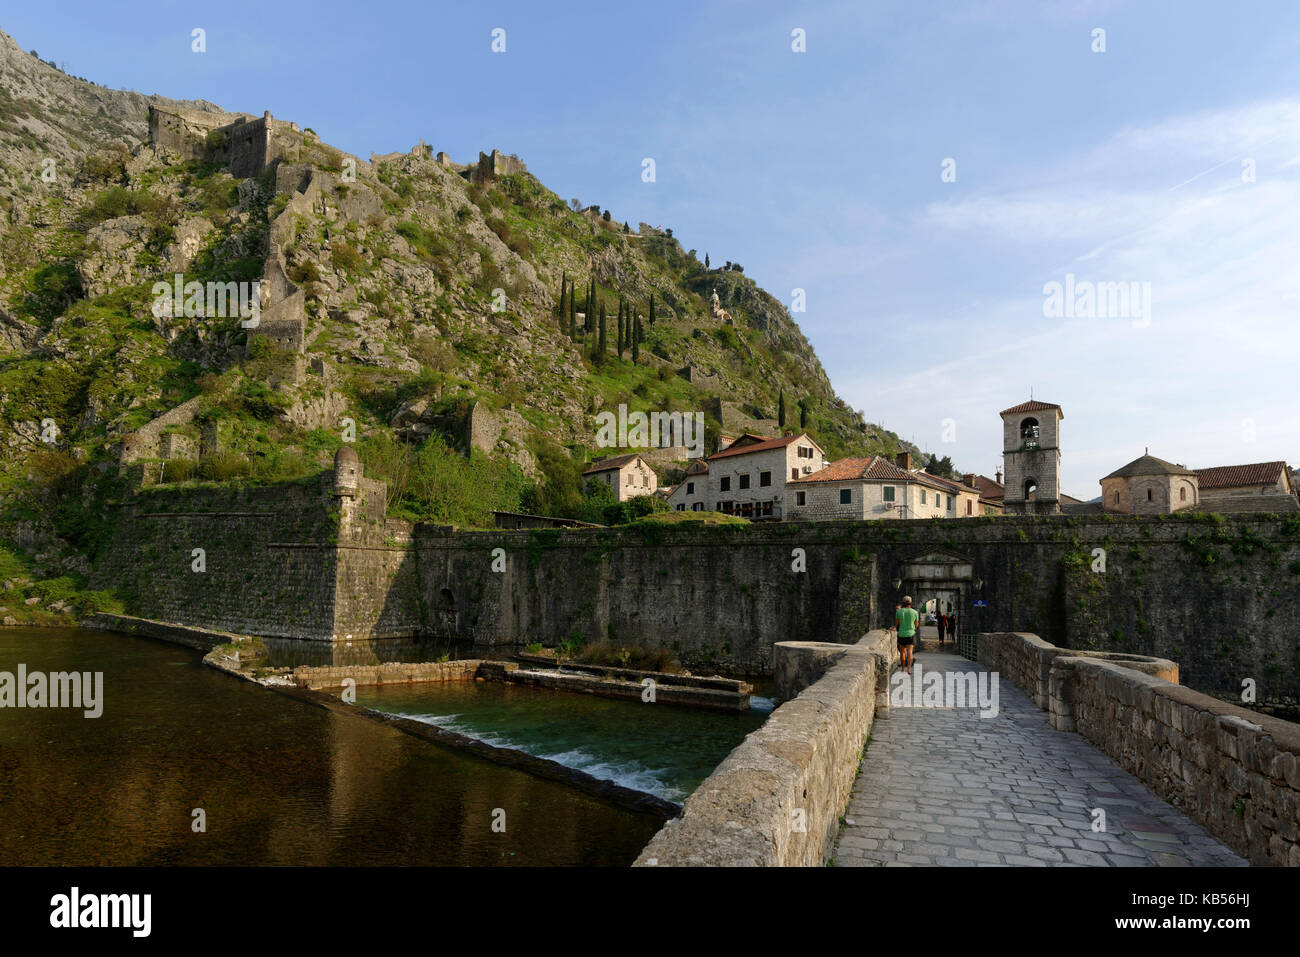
280, 781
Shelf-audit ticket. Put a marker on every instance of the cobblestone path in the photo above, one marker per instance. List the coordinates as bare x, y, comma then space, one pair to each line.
947, 787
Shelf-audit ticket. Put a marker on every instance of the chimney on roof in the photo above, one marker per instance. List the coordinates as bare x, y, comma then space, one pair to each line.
724, 441
999, 476
904, 461
969, 479
789, 432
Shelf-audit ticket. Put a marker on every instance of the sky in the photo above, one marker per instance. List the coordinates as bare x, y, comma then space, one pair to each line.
922, 171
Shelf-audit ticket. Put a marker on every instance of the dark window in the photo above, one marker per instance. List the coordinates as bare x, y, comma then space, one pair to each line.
846, 496
794, 473
1148, 495
764, 479
744, 481
690, 488
889, 493
767, 509
681, 508
968, 506
801, 498
726, 483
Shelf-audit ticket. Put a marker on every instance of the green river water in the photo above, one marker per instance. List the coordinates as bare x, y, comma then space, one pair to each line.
284, 782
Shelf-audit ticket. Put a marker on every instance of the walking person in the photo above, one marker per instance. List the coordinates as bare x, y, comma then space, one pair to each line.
906, 622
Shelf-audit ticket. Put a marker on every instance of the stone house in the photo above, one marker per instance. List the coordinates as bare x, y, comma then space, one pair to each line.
992, 492
874, 487
626, 475
962, 499
748, 477
1259, 487
1152, 486
1149, 486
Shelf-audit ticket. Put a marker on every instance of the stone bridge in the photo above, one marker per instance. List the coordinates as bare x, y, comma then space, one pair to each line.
1053, 757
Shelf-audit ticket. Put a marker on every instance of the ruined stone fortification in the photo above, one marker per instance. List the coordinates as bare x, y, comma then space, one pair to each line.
306, 561
248, 145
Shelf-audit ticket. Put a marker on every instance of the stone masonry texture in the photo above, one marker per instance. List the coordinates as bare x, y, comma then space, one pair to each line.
946, 787
1217, 597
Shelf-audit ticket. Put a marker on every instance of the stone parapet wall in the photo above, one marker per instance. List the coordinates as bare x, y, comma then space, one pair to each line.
1026, 661
776, 799
1233, 770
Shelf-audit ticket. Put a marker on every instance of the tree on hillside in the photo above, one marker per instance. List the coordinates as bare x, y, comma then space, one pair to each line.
780, 410
803, 414
706, 260
573, 314
605, 216
600, 339
561, 309
636, 339
622, 331
941, 467
651, 320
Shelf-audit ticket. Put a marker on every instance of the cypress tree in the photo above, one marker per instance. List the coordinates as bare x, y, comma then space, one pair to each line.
636, 339
652, 309
564, 285
780, 410
573, 315
621, 339
706, 260
600, 341
803, 414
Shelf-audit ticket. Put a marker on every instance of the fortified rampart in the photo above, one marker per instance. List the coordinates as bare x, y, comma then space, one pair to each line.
1218, 597
244, 143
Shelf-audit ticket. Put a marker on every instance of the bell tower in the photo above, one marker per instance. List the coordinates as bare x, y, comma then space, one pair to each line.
1031, 454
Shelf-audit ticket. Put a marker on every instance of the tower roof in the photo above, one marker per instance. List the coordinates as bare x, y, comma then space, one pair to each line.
1149, 465
1033, 405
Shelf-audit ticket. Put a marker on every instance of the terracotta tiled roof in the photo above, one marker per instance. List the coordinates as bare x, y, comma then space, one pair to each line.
1148, 465
871, 468
990, 490
947, 482
764, 445
616, 462
1033, 405
1230, 476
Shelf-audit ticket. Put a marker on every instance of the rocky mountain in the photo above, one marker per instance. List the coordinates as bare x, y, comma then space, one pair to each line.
431, 308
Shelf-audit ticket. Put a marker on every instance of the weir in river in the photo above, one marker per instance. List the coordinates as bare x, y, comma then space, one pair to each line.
277, 781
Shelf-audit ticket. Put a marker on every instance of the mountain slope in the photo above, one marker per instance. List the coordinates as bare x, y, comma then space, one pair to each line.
413, 297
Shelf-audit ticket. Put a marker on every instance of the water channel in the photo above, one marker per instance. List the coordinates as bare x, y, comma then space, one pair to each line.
281, 781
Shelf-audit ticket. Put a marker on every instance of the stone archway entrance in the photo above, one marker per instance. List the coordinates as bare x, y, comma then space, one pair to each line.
942, 578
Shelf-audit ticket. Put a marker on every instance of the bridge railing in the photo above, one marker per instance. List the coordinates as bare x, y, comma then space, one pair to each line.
968, 646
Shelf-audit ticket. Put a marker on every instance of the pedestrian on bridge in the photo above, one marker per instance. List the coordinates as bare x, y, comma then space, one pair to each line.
906, 622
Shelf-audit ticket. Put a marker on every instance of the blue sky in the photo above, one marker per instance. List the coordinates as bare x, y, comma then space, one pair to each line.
821, 171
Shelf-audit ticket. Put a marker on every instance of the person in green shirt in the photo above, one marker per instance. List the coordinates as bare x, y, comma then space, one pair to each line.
905, 623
